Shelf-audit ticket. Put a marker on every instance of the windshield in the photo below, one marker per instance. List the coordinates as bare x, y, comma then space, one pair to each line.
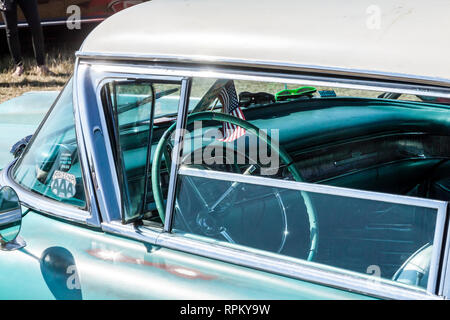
50, 166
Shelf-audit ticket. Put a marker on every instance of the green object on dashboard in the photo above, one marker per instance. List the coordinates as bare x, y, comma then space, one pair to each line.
288, 94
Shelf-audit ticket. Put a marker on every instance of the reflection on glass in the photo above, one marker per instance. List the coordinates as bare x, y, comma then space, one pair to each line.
133, 105
366, 236
51, 165
10, 215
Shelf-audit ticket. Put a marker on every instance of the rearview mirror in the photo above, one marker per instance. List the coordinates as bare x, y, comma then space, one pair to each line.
10, 219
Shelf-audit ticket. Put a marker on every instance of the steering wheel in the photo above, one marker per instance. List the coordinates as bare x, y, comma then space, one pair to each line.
222, 117
213, 212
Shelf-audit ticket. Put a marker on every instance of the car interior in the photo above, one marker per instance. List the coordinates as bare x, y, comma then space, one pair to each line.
380, 144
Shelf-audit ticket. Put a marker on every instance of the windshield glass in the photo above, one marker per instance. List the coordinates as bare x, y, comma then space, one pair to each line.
50, 166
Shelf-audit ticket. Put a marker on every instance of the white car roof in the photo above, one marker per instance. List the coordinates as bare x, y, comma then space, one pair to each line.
408, 38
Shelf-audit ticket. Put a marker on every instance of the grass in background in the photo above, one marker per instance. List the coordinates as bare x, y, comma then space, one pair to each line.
60, 62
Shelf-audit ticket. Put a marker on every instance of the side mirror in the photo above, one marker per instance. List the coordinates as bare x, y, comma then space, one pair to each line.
10, 220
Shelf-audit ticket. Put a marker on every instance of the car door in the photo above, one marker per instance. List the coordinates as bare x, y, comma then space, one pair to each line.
66, 253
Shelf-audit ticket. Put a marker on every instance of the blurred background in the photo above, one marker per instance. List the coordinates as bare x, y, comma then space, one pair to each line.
61, 42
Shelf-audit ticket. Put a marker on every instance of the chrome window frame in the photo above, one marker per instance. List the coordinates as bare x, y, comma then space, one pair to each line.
36, 202
177, 152
303, 270
439, 206
108, 192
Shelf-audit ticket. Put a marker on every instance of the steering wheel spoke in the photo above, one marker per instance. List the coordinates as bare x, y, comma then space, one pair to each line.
198, 193
227, 236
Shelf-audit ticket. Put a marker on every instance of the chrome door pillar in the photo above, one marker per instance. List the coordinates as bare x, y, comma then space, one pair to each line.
95, 148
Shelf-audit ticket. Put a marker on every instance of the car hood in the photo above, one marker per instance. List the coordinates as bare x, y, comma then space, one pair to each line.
20, 117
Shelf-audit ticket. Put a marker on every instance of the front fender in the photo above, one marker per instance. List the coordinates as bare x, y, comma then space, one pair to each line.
19, 117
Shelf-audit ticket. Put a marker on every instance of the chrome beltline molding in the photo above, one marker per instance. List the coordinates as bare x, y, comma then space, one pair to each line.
298, 269
308, 69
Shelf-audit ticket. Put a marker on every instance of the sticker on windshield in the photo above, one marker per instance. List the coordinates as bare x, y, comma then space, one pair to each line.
65, 161
63, 184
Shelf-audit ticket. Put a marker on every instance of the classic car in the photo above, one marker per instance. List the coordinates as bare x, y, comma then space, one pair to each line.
56, 12
239, 151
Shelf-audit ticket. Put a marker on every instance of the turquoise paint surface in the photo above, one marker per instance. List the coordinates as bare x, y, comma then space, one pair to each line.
110, 267
20, 117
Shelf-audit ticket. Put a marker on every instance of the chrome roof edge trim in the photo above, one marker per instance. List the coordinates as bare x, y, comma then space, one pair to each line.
285, 266
439, 206
300, 269
222, 72
41, 204
223, 61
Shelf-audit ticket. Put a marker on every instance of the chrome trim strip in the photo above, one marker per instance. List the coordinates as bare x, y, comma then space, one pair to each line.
295, 268
202, 59
272, 263
444, 284
41, 204
436, 263
221, 72
130, 231
316, 188
82, 151
96, 148
440, 206
177, 151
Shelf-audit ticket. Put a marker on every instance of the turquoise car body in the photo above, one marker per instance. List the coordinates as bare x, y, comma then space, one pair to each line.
107, 266
112, 267
378, 166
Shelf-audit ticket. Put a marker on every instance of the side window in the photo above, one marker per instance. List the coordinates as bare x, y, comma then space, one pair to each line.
139, 112
50, 166
249, 148
381, 238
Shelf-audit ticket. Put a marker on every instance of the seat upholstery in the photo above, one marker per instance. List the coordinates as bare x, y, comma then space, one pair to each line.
416, 269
